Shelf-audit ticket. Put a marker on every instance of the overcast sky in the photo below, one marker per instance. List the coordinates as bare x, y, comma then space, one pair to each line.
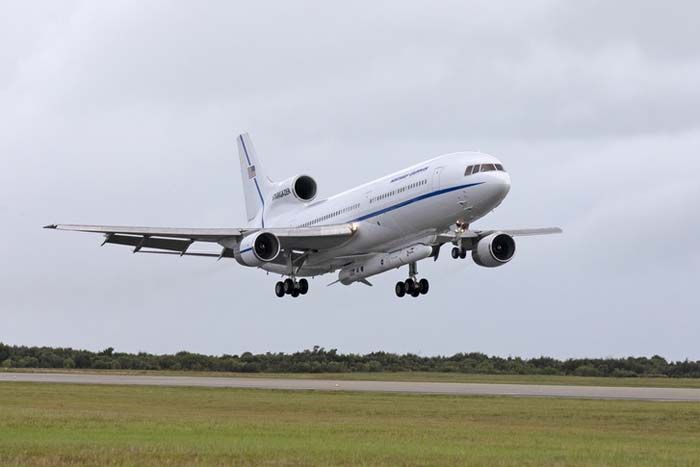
126, 112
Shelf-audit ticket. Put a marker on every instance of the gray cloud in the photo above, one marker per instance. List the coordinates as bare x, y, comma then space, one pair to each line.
125, 113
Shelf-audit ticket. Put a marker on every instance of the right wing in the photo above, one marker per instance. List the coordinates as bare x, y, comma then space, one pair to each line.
168, 240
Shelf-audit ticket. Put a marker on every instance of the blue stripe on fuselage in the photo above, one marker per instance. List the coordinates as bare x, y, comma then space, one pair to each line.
414, 200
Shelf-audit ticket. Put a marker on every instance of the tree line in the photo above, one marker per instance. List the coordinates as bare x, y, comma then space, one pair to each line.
320, 360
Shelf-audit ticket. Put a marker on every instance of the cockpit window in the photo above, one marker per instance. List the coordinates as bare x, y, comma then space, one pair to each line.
474, 169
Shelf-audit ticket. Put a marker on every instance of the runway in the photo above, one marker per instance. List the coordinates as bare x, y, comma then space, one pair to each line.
462, 389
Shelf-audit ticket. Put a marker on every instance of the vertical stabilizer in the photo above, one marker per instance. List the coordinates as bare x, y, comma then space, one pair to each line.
256, 185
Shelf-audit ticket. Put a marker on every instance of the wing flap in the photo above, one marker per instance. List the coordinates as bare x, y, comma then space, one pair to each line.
170, 244
227, 253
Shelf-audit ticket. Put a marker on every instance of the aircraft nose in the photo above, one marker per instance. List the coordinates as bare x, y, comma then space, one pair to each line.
501, 184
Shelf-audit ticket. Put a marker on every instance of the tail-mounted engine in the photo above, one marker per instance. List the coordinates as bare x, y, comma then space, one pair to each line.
259, 248
494, 250
301, 188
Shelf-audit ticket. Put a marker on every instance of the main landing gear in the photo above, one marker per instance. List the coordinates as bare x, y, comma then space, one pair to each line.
411, 286
460, 253
291, 287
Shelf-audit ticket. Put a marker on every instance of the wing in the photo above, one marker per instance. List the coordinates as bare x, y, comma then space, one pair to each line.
168, 240
475, 235
522, 232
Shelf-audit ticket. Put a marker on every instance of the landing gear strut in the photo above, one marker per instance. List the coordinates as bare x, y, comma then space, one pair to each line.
459, 251
411, 286
291, 287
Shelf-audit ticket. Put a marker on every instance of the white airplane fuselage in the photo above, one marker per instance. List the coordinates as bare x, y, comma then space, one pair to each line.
408, 207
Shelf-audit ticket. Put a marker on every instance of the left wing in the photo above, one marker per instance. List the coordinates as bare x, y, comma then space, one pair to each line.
476, 235
170, 240
522, 232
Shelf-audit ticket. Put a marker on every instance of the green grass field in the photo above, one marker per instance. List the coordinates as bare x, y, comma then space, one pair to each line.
51, 424
659, 382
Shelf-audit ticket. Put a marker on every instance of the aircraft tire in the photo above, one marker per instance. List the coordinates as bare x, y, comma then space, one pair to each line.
410, 285
279, 289
423, 286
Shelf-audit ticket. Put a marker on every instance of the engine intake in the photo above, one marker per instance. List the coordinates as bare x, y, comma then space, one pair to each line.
494, 250
304, 188
258, 248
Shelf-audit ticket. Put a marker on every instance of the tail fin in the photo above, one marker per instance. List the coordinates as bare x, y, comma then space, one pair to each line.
256, 185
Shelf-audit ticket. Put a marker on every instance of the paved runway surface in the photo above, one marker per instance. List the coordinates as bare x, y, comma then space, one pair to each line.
466, 389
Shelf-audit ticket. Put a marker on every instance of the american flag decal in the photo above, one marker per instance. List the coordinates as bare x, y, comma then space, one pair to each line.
251, 171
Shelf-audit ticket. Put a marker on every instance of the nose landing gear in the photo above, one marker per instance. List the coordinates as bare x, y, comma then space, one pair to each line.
411, 286
459, 251
291, 287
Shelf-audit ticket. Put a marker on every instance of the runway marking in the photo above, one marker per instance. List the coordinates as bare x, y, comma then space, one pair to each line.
410, 387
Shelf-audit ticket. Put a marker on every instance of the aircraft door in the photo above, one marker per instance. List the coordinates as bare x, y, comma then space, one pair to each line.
436, 178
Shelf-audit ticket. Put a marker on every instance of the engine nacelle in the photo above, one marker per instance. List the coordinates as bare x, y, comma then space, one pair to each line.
494, 250
259, 248
301, 188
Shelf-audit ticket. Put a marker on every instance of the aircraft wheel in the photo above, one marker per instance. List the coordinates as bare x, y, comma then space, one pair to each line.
463, 254
415, 292
423, 286
455, 253
295, 292
288, 286
410, 285
279, 289
303, 286
400, 289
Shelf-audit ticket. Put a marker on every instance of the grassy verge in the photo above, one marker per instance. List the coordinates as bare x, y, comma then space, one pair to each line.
659, 382
50, 424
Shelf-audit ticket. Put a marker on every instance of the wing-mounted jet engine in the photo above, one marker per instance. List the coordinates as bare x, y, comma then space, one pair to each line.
258, 248
494, 250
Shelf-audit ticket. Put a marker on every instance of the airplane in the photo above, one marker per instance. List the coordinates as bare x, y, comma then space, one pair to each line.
394, 221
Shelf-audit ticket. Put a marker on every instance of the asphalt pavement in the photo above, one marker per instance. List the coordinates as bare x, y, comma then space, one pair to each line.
412, 387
